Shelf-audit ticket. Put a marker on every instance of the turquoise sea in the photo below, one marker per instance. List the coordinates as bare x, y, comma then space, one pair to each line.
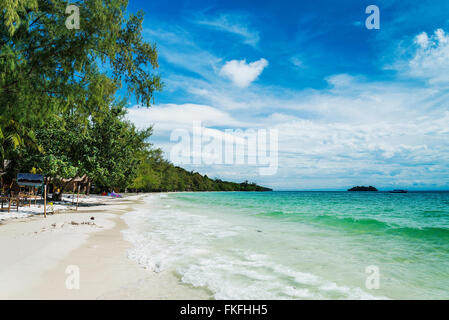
297, 245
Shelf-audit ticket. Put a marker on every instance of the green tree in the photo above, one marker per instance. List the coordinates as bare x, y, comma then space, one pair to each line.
47, 70
115, 150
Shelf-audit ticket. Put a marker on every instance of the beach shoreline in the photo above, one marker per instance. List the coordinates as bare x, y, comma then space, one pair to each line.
43, 257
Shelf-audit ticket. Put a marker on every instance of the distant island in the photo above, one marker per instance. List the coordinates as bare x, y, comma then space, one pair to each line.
363, 188
398, 191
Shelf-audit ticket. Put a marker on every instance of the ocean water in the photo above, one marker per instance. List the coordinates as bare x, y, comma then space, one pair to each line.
297, 245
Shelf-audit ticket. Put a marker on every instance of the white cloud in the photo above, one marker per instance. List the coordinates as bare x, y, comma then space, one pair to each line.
242, 73
340, 80
422, 40
441, 36
233, 24
167, 117
430, 60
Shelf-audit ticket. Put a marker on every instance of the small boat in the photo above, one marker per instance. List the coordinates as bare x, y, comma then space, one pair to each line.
398, 191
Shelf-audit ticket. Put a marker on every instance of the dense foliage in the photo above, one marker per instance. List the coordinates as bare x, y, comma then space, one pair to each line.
157, 174
59, 113
107, 149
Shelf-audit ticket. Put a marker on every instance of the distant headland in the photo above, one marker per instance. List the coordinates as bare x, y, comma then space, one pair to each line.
363, 188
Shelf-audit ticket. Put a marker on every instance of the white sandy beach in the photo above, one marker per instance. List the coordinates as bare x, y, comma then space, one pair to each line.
36, 252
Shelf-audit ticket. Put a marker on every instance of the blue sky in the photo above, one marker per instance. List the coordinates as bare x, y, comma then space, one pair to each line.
352, 106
